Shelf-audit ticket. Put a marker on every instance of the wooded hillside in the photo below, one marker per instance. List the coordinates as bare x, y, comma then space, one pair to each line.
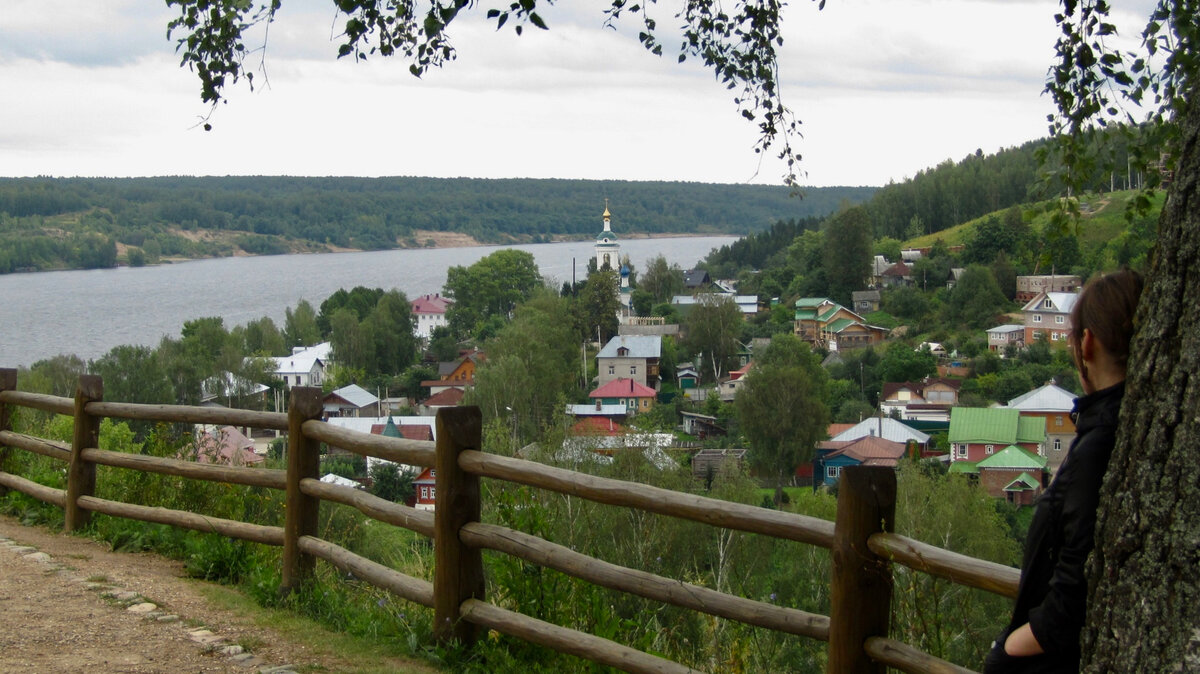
50, 223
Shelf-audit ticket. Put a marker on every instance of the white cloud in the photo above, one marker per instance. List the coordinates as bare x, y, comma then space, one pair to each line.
884, 88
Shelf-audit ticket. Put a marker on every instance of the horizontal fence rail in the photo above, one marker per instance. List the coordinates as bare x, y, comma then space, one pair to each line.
189, 414
566, 640
39, 401
861, 542
643, 584
725, 514
42, 493
935, 561
54, 450
398, 450
372, 506
256, 533
249, 477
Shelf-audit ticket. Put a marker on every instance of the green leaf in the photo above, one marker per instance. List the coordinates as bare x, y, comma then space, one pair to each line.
537, 21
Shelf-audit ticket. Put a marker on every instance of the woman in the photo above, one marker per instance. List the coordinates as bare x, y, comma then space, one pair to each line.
1043, 635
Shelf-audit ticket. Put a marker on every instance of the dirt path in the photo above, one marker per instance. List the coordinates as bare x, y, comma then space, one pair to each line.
68, 604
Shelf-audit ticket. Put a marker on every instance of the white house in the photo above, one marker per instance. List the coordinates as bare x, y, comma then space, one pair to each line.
305, 367
429, 312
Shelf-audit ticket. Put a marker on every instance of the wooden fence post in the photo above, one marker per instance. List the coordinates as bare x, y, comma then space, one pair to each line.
861, 595
458, 570
81, 475
8, 382
301, 512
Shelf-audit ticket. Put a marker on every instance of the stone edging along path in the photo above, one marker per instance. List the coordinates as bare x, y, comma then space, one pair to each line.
132, 602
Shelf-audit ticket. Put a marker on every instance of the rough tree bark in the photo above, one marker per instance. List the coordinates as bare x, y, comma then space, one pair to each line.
1144, 577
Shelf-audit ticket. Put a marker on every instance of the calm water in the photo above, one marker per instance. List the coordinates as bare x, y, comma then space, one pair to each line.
89, 312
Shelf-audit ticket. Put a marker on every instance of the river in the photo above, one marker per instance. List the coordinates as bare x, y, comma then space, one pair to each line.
89, 312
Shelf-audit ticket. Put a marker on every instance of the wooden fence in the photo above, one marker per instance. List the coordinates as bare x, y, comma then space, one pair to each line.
862, 542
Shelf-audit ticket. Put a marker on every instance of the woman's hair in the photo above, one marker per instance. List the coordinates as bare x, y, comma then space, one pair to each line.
1106, 307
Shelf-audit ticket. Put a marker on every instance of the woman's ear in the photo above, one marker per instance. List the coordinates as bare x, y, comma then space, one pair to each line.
1087, 346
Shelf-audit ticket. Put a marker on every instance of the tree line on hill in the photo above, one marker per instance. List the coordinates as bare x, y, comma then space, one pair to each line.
271, 214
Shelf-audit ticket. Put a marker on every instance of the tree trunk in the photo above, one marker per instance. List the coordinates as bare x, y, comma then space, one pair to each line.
1144, 577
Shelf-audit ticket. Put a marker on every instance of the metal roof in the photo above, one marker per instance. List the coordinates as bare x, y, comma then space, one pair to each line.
1013, 457
355, 395
1048, 398
979, 424
640, 346
886, 428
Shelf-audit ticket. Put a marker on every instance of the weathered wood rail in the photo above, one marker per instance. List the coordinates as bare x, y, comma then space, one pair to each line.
862, 543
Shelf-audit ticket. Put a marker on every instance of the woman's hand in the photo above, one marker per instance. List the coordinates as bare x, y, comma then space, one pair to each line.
1022, 643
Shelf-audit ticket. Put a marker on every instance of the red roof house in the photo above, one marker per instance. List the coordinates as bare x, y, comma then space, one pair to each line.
635, 397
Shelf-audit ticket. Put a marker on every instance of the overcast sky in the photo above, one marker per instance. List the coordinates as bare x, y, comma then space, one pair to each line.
884, 88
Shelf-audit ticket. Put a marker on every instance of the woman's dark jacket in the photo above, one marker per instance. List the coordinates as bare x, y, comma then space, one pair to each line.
1053, 593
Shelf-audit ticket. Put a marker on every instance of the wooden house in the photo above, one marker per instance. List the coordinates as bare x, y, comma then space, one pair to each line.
424, 490
1048, 316
636, 397
977, 433
1053, 405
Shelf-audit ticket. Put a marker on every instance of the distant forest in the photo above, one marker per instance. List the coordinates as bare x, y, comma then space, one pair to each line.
48, 223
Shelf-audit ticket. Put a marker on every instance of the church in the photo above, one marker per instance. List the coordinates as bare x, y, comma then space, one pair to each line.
608, 251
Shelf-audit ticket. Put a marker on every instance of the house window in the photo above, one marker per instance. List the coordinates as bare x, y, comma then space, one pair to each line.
633, 369
989, 449
961, 451
833, 472
1060, 319
1037, 318
1058, 444
612, 369
1037, 334
1054, 336
645, 403
1047, 304
1058, 420
297, 380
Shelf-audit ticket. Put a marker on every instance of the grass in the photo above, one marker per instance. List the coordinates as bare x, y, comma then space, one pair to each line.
340, 652
1103, 220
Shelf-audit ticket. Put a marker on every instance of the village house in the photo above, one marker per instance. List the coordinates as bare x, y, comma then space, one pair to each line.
350, 401
458, 374
865, 301
305, 367
896, 276
1048, 316
630, 357
1013, 474
882, 427
637, 398
429, 312
952, 278
1002, 336
1029, 287
878, 265
977, 433
708, 463
227, 447
728, 387
1053, 405
700, 425
696, 280
450, 397
747, 304
871, 450
425, 490
926, 400
826, 324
